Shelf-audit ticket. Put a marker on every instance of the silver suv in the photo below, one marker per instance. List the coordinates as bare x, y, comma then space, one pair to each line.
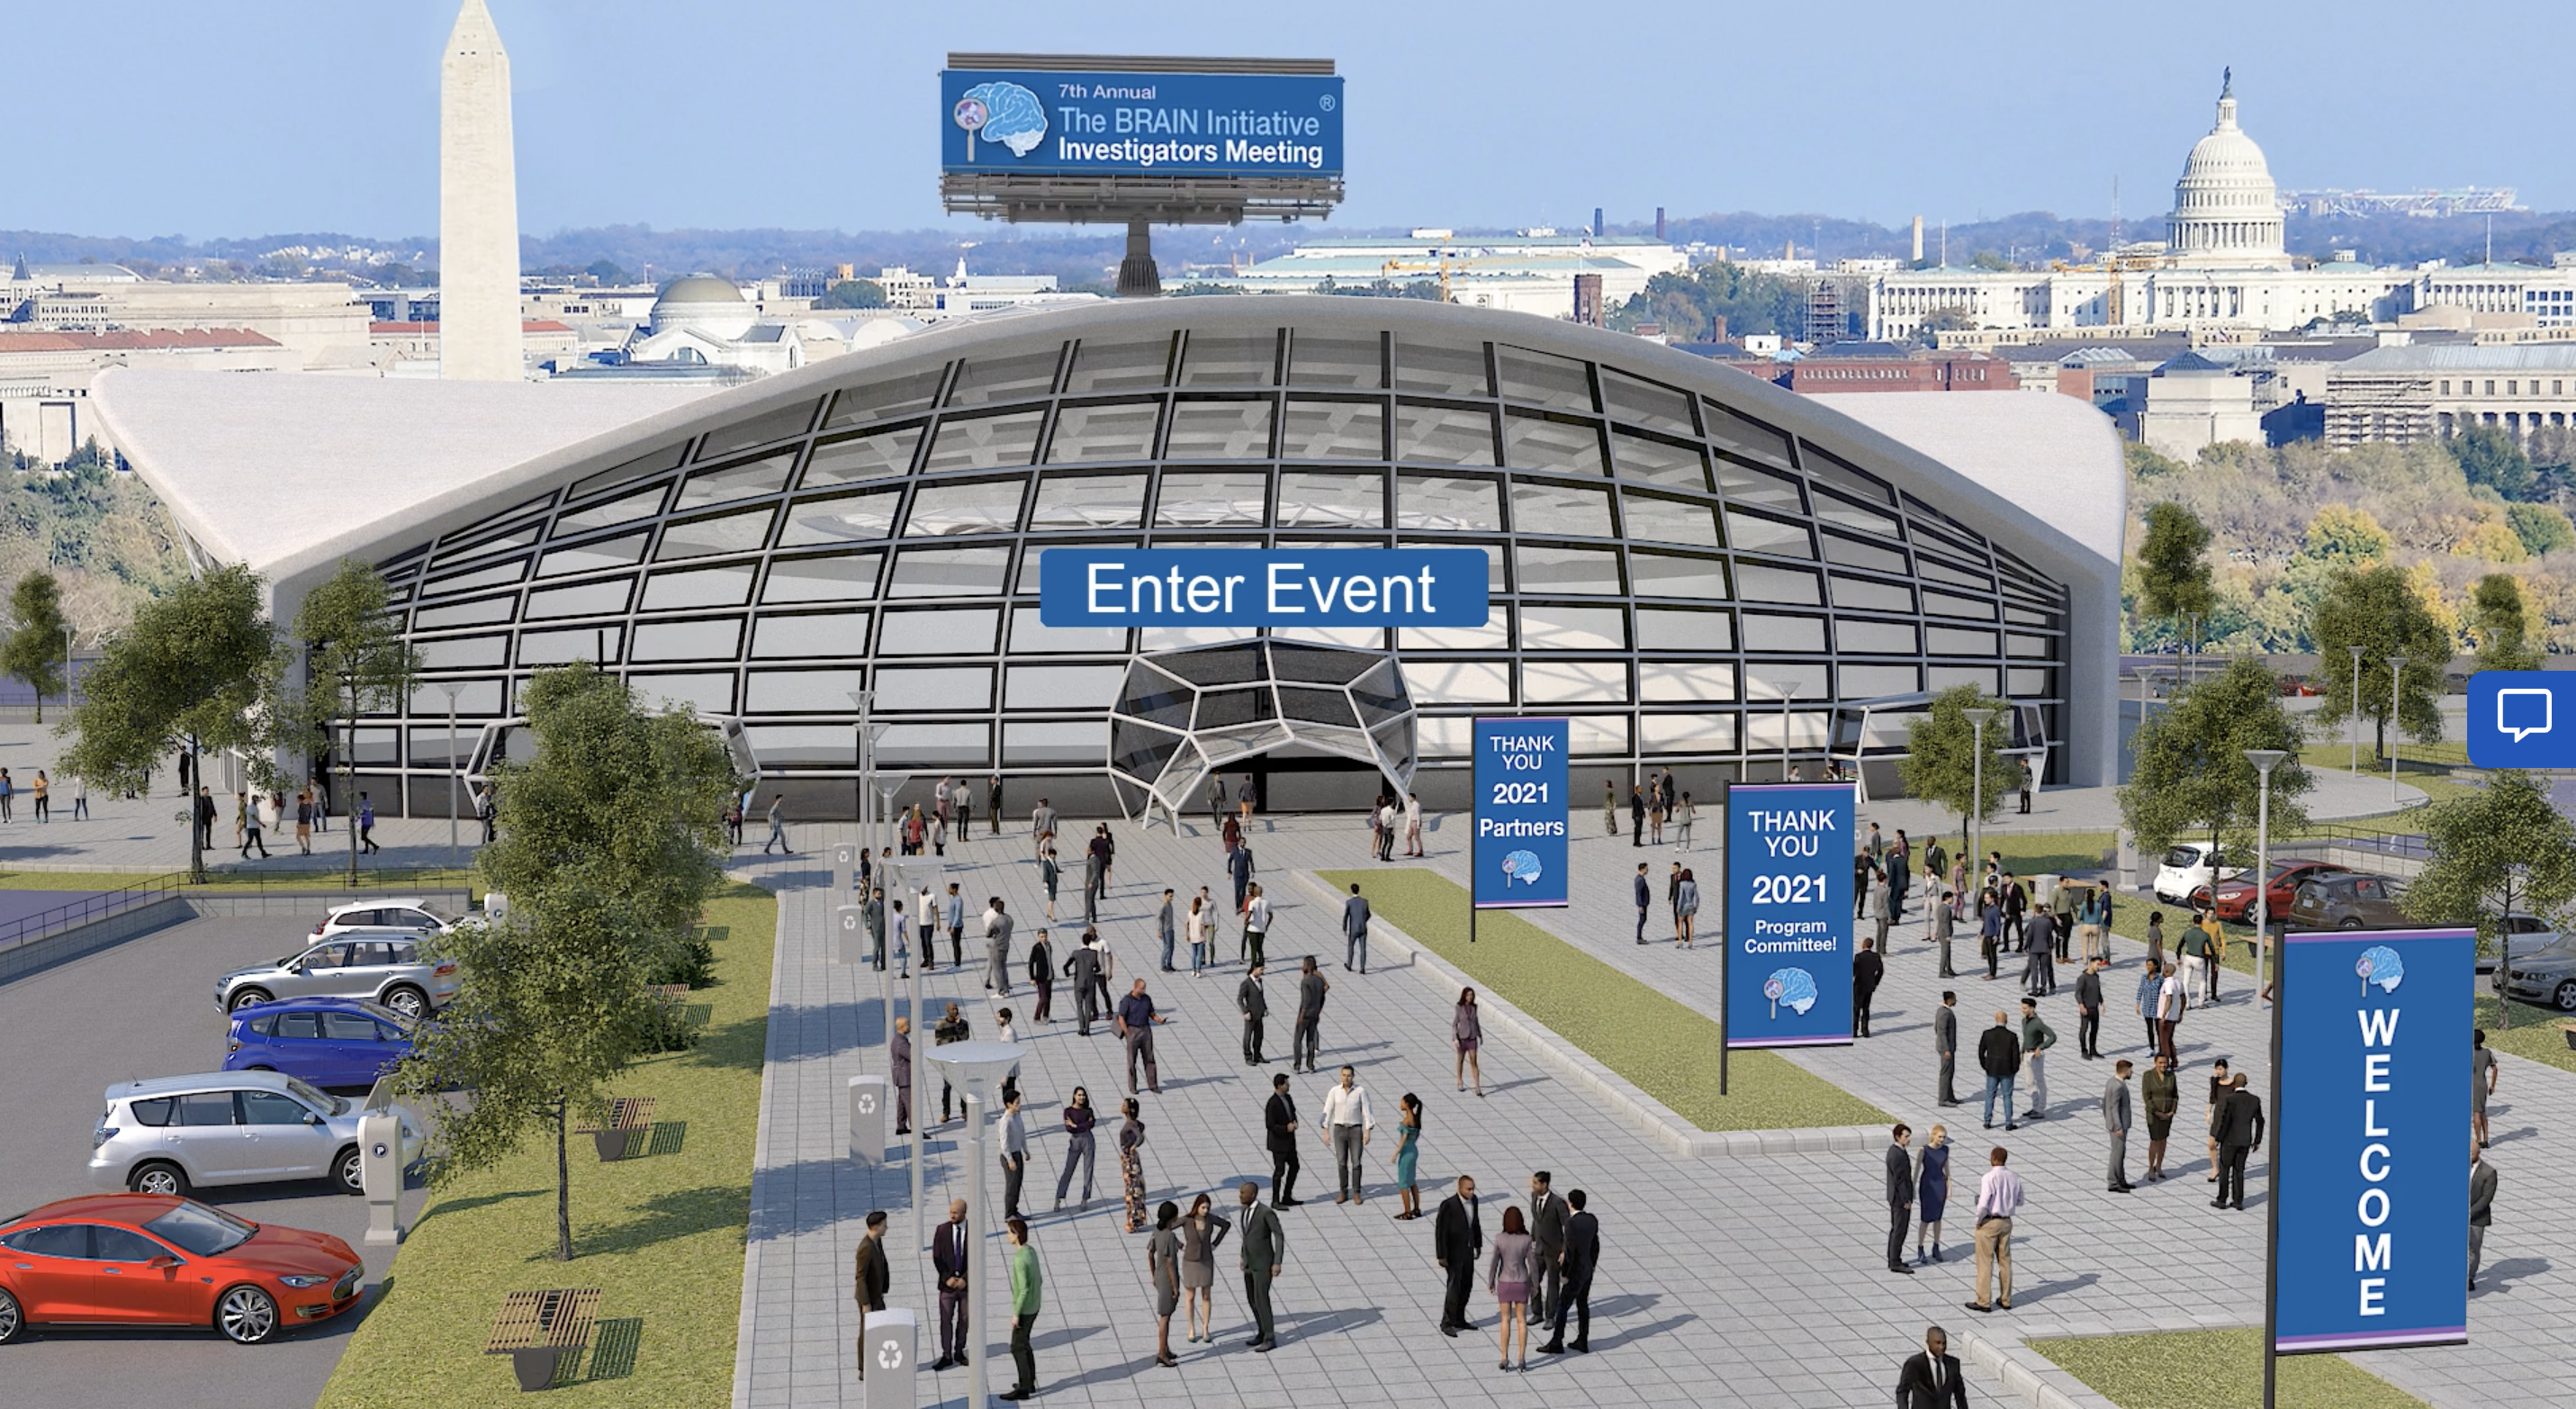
172, 1133
385, 968
408, 916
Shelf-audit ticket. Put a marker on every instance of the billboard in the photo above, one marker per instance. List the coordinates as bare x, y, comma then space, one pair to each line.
1293, 587
2370, 1139
1091, 123
1789, 914
1521, 813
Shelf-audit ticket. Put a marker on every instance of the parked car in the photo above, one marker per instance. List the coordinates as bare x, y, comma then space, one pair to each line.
326, 1041
173, 1133
2546, 973
2351, 901
160, 1260
408, 916
2235, 899
387, 969
2186, 869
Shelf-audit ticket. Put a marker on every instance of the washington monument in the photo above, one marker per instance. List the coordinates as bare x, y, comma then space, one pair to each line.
478, 207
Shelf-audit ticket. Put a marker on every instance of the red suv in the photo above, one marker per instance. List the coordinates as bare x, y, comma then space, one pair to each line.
2235, 898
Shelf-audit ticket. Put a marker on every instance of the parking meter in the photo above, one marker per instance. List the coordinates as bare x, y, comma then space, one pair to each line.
380, 1174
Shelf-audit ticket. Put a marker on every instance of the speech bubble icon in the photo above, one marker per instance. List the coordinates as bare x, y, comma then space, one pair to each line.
2516, 714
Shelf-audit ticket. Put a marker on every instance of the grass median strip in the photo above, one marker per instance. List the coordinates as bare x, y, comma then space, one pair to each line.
2215, 1370
1666, 1047
660, 1233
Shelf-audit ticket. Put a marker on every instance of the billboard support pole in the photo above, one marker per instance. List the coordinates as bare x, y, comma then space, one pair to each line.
1137, 277
1725, 935
2272, 1204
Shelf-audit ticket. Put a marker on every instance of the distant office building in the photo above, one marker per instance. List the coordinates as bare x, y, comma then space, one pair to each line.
322, 324
45, 377
2410, 393
1881, 367
2192, 403
1530, 272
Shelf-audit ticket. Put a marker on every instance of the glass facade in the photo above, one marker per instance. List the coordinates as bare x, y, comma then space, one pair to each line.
1687, 582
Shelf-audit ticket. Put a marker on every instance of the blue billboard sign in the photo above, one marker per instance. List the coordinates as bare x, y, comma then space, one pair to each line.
1363, 587
1789, 914
2514, 719
1056, 122
2370, 1132
1521, 810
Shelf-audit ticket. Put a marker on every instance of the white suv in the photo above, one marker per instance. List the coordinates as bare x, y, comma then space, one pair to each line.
408, 916
2186, 869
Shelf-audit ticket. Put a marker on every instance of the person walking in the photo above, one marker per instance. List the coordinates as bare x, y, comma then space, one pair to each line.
1049, 875
1307, 1040
2162, 1095
2156, 938
964, 802
1131, 1169
1683, 815
2240, 1133
250, 830
2482, 1081
1944, 922
1867, 971
1167, 929
1896, 865
1079, 1118
1387, 821
777, 826
2482, 1193
1999, 1197
1095, 876
1238, 866
1882, 904
997, 947
2173, 999
2016, 912
953, 915
1656, 805
1083, 967
1686, 908
1507, 1276
1043, 823
1202, 1232
1645, 897
1025, 1280
870, 1277
1041, 970
1345, 1126
1136, 1020
1932, 1192
1467, 1031
1457, 1245
1194, 927
2036, 1038
2115, 1122
2192, 946
2217, 934
2088, 1007
899, 1056
1412, 825
1264, 1255
1582, 1257
1015, 1152
1355, 923
2218, 1089
1610, 806
1408, 1148
1256, 919
2150, 998
1279, 1118
1547, 1245
1255, 1006
2039, 966
952, 1261
1900, 1197
1930, 1379
1999, 1055
1945, 1045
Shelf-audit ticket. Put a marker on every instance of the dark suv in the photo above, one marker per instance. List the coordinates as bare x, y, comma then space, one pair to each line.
2353, 901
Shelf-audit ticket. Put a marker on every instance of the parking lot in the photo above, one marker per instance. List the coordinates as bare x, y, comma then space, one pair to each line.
140, 1009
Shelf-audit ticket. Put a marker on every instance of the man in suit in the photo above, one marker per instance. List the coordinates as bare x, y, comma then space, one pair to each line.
1900, 1198
993, 804
2088, 1009
997, 947
2115, 1120
2240, 1133
1042, 825
1582, 1256
1083, 967
1265, 1252
1547, 1247
1945, 1045
1458, 1245
1280, 1120
1255, 1003
870, 1276
2482, 1192
899, 1057
952, 1255
1930, 1379
1355, 923
1645, 901
1867, 971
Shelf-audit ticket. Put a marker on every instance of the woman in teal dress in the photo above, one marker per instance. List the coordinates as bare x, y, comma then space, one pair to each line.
1408, 1144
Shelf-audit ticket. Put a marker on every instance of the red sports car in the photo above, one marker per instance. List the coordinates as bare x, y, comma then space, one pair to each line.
2236, 897
159, 1260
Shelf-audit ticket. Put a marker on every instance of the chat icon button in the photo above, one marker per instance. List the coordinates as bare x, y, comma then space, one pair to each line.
2513, 720
2522, 713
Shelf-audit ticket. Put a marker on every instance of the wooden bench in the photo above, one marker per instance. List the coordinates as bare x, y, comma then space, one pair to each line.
670, 992
539, 1329
626, 1116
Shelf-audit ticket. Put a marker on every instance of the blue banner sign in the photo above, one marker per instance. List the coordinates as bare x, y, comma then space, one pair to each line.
1520, 813
1366, 587
2370, 1154
1789, 853
2522, 719
1103, 124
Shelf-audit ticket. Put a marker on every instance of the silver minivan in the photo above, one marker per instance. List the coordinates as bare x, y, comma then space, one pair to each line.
173, 1133
382, 968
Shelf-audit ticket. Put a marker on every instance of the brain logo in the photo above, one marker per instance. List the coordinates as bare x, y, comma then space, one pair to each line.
1795, 987
1522, 866
1002, 112
2379, 964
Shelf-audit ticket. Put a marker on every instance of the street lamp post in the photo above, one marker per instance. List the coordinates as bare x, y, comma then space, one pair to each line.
862, 700
2517, 876
2396, 682
2354, 728
1977, 719
978, 1069
2264, 761
915, 876
451, 687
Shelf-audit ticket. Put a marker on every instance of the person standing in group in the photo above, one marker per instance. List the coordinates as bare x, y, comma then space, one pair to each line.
1457, 1245
952, 1028
1999, 1197
1930, 1380
2156, 940
1882, 904
2039, 967
1135, 1021
1095, 876
1507, 1276
1412, 825
952, 1259
2209, 1114
1256, 919
1279, 1119
1944, 921
1610, 806
2115, 1122
1408, 1148
1049, 874
1990, 931
1131, 1172
1194, 932
1387, 819
1355, 923
2482, 1193
2036, 1038
1083, 967
1042, 829
2150, 998
953, 912
2161, 1093
2482, 1081
1867, 971
2192, 947
870, 1277
2217, 933
2240, 1133
1467, 1030
1015, 1152
1945, 1045
1686, 908
1024, 1311
1547, 1245
993, 805
1931, 1192
1684, 813
1307, 1041
1264, 1254
1897, 866
1079, 1118
1645, 898
1346, 1125
2016, 912
965, 805
1042, 975
2173, 999
1238, 866
1167, 929
1201, 1234
1999, 1056
997, 947
2091, 920
1255, 1006
1581, 1258
2088, 1007
1900, 1197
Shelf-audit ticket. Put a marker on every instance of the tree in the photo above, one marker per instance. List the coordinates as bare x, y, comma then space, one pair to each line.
2377, 609
37, 649
355, 661
1940, 763
606, 271
612, 839
2173, 571
2501, 848
2191, 776
853, 293
2542, 528
2503, 629
186, 672
2491, 456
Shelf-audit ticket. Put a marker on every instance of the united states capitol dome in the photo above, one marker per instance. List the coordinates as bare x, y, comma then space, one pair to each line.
2227, 211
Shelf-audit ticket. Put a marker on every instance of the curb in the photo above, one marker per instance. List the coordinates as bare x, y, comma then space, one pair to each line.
2029, 1376
1648, 1116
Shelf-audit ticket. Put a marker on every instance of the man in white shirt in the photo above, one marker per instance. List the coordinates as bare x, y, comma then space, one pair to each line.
1998, 1199
1346, 1125
2172, 1001
1256, 923
1412, 825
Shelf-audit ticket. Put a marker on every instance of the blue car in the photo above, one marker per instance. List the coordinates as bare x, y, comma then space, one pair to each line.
326, 1041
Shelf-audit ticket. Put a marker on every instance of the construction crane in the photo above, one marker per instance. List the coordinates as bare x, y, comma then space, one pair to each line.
1392, 267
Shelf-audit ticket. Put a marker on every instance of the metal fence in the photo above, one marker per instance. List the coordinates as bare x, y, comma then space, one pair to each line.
225, 883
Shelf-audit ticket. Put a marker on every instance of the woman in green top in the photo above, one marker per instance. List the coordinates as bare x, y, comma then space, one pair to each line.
1024, 1310
1408, 1141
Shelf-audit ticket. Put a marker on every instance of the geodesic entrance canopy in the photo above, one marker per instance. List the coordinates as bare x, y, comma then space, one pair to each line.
1184, 714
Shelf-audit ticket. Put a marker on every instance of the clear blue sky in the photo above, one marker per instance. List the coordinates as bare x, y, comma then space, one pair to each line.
236, 117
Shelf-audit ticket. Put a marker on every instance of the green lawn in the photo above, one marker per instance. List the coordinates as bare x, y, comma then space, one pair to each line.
1668, 1048
661, 1235
2216, 1370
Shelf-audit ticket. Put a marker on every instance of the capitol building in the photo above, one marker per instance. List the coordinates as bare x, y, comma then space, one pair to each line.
2223, 267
